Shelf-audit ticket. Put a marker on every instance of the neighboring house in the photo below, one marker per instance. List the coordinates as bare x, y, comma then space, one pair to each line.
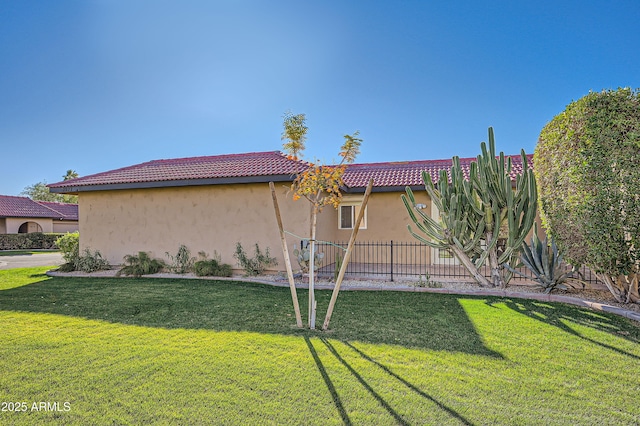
211, 203
21, 215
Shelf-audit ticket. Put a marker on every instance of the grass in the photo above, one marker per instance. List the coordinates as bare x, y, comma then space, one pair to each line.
25, 252
138, 351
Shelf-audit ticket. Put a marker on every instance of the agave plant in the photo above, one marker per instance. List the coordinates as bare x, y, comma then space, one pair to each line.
545, 263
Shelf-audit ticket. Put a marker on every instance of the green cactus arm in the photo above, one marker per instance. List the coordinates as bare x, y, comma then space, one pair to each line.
423, 240
477, 236
428, 225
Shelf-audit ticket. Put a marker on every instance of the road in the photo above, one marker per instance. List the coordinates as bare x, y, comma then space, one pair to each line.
29, 260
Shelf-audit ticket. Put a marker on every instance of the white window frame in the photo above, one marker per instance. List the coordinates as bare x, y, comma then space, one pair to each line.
355, 205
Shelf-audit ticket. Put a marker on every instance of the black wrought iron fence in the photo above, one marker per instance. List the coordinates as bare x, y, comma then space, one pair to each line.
393, 259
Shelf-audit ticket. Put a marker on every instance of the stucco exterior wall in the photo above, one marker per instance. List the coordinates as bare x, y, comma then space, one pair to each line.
204, 218
13, 224
64, 226
387, 220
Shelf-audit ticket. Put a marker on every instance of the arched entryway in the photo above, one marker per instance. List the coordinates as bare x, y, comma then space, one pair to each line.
29, 227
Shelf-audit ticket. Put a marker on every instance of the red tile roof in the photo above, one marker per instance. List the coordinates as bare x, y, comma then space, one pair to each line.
11, 206
409, 173
258, 167
67, 210
253, 164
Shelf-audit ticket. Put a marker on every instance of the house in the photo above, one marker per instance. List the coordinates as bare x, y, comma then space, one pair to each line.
211, 203
20, 215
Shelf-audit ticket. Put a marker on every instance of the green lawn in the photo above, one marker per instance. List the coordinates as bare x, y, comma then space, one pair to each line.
142, 351
25, 252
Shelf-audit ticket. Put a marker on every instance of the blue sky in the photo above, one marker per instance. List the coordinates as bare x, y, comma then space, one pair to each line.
100, 84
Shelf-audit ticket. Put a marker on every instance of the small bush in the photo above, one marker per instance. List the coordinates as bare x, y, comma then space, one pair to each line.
258, 263
427, 282
211, 268
139, 265
69, 245
182, 262
206, 267
91, 261
67, 267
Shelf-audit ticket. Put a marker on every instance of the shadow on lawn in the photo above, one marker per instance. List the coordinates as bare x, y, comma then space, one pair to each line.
562, 316
398, 419
420, 320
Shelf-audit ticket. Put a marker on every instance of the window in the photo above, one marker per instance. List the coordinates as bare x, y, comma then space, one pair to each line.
348, 213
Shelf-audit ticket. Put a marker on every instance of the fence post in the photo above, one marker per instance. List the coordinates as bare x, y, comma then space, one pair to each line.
391, 260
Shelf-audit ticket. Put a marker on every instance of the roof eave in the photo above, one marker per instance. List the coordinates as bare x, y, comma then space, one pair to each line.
172, 183
396, 188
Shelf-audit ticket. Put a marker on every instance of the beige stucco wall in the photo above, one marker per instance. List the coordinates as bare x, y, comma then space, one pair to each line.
204, 218
387, 220
213, 218
13, 224
64, 226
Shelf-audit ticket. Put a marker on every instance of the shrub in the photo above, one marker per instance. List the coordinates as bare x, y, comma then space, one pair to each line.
258, 263
588, 170
205, 267
182, 262
139, 265
34, 240
211, 268
69, 245
91, 261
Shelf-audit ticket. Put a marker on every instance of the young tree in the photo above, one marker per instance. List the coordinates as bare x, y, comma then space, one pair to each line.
319, 184
477, 213
588, 171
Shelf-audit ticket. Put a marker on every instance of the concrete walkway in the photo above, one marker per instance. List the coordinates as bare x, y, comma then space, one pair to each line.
30, 260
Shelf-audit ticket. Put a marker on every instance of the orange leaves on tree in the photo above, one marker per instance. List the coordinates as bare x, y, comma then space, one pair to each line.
320, 184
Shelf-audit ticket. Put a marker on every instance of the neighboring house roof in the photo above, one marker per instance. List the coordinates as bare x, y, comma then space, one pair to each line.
68, 211
11, 206
259, 167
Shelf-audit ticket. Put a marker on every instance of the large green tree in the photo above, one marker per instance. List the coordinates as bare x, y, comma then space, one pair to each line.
40, 191
587, 165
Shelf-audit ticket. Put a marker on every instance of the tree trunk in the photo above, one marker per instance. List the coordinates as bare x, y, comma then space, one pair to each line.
496, 277
612, 285
468, 264
312, 264
623, 287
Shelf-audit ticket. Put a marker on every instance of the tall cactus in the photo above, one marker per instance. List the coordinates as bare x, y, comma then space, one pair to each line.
476, 213
460, 228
